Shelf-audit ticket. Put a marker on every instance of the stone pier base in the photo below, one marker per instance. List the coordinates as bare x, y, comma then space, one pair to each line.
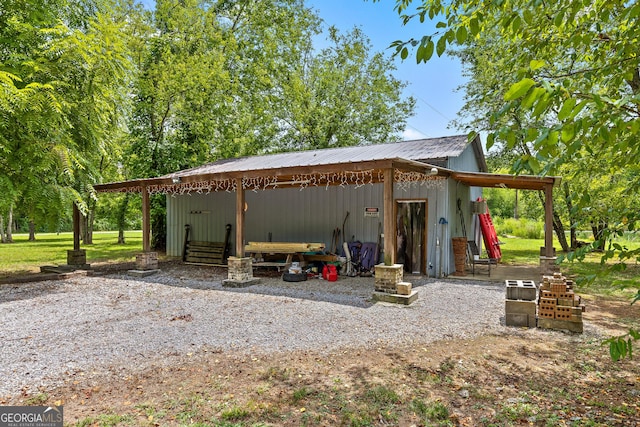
240, 273
77, 259
389, 286
548, 265
146, 264
147, 261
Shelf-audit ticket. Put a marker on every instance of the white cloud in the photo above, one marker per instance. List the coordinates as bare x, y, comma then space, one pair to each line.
410, 134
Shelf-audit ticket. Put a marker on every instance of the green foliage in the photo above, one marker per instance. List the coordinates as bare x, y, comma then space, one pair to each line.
622, 346
558, 85
523, 228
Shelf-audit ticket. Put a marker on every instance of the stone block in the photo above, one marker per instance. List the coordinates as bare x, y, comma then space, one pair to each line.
395, 298
520, 307
387, 277
404, 288
560, 325
77, 258
240, 271
147, 261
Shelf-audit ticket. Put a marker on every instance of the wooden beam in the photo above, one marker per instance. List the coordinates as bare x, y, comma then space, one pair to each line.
548, 220
76, 228
146, 221
240, 202
389, 220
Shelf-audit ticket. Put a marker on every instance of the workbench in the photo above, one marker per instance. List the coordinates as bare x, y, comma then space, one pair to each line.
283, 254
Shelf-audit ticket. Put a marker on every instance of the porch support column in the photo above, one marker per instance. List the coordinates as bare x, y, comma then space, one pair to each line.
389, 284
76, 228
239, 267
389, 220
548, 258
147, 261
146, 220
240, 201
77, 258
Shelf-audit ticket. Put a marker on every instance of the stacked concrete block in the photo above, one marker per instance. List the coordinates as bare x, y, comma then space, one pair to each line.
520, 305
558, 306
387, 278
389, 286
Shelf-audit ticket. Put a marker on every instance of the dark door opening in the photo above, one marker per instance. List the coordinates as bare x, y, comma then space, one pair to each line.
411, 235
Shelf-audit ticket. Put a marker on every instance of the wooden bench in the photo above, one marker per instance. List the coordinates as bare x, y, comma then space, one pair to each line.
205, 253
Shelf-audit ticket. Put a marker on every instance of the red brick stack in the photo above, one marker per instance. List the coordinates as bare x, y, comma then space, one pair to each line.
558, 306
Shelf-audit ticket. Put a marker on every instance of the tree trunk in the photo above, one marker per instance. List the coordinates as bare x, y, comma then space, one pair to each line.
3, 239
598, 234
9, 236
559, 229
121, 218
88, 238
572, 219
32, 231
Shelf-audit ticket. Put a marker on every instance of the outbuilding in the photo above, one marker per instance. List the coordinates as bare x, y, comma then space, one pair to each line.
412, 197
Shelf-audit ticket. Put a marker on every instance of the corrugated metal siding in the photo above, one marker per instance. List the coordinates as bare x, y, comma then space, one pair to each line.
466, 161
293, 215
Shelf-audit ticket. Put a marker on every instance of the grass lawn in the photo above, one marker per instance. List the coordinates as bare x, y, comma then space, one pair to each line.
23, 256
608, 281
51, 249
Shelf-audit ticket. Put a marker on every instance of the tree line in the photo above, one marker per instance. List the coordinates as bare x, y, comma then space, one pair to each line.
104, 90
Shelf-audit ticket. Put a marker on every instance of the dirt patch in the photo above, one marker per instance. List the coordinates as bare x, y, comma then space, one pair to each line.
531, 378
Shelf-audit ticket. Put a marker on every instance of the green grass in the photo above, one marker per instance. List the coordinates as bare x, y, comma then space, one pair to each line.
607, 280
24, 256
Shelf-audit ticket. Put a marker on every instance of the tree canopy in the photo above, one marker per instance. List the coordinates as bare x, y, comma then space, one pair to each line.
558, 83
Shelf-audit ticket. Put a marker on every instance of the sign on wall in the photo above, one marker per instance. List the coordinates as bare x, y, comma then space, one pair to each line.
371, 212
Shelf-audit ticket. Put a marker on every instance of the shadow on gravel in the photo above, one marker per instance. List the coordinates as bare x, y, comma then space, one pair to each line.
351, 291
25, 291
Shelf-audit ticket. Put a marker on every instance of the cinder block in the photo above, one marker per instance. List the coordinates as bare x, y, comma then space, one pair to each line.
520, 307
523, 320
521, 289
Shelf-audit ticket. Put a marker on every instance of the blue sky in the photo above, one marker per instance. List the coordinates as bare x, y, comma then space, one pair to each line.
433, 84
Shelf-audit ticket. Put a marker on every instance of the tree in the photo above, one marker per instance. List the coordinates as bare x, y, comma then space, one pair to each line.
63, 70
343, 96
575, 78
236, 78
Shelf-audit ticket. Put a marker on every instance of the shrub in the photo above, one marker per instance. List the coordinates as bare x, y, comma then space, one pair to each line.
523, 228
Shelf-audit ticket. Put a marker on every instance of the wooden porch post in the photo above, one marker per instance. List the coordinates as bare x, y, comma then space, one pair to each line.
389, 220
548, 220
146, 220
240, 201
76, 228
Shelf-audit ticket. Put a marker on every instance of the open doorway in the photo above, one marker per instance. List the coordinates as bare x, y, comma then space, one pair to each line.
411, 235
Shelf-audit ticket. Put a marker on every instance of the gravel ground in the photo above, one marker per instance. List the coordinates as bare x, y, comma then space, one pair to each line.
113, 323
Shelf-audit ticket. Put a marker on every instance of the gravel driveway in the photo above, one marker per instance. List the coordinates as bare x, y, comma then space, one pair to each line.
113, 323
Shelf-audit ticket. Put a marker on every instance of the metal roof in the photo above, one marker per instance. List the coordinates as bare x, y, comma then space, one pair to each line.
422, 150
